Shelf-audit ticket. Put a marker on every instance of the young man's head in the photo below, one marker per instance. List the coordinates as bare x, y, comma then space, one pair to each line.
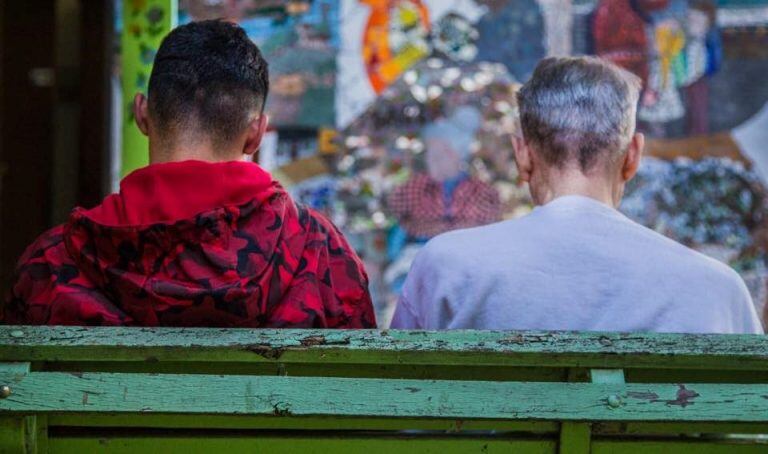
206, 95
577, 117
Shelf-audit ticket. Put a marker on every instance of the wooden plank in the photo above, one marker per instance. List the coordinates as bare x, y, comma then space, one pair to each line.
18, 433
678, 447
49, 392
605, 376
13, 435
177, 421
42, 434
465, 348
290, 445
316, 423
673, 428
574, 438
651, 375
412, 371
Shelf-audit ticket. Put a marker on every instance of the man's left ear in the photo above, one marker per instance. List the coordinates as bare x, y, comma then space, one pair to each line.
633, 157
141, 113
256, 129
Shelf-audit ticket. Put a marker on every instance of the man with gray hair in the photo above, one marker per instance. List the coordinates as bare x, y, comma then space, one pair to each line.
575, 262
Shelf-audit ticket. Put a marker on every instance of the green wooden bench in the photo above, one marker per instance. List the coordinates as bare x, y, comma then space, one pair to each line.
126, 390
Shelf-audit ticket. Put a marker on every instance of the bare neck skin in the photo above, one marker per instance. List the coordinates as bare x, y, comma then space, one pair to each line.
603, 182
563, 182
183, 147
191, 143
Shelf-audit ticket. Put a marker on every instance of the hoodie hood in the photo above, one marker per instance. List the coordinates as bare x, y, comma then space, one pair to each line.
177, 191
192, 243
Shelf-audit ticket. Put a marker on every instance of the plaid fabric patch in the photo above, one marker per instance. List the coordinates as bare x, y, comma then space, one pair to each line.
423, 211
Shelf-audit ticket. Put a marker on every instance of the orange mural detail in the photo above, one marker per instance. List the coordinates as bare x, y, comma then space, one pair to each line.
396, 36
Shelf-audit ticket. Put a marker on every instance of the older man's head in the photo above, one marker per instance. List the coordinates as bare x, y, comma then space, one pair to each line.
578, 123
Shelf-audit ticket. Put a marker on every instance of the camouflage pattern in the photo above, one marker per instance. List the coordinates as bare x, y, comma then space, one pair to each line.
265, 263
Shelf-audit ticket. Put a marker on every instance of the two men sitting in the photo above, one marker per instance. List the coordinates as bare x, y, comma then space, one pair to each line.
202, 237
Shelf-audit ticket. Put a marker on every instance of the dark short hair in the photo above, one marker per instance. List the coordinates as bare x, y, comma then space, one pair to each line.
576, 109
209, 77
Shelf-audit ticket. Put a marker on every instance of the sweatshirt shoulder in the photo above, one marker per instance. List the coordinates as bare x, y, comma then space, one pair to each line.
685, 257
316, 222
47, 246
463, 241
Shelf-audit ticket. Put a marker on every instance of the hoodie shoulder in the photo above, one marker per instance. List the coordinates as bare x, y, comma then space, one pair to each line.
48, 288
340, 271
34, 277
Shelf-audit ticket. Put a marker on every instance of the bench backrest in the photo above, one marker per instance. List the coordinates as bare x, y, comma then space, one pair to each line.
68, 389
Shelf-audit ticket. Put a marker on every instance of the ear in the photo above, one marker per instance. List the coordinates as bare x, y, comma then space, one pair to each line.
523, 159
633, 157
141, 113
256, 129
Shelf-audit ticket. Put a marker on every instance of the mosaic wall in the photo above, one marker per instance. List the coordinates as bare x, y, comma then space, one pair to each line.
388, 74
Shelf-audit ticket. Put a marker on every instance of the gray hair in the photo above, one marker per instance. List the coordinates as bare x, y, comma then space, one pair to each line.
575, 109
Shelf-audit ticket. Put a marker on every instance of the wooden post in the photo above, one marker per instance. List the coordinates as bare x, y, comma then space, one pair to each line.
576, 437
18, 434
145, 24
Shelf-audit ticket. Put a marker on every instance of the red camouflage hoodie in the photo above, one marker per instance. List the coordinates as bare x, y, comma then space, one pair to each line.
193, 244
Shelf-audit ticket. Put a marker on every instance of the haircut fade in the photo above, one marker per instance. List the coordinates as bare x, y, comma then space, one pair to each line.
208, 76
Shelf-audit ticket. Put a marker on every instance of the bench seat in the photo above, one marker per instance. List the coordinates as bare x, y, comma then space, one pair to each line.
74, 389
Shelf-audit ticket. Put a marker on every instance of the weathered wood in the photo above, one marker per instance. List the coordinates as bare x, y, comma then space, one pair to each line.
195, 390
315, 423
574, 438
49, 392
371, 444
18, 433
13, 434
675, 428
303, 369
677, 447
614, 376
464, 348
238, 422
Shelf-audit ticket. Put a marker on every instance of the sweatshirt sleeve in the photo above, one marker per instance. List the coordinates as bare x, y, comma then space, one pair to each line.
745, 318
404, 317
349, 281
415, 300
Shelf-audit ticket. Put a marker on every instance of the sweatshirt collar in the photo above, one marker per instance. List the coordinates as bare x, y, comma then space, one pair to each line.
174, 191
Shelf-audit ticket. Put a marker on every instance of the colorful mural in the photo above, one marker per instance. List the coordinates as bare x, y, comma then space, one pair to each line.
300, 42
677, 48
145, 23
389, 73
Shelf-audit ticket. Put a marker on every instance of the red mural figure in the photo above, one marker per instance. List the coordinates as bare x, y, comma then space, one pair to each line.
619, 34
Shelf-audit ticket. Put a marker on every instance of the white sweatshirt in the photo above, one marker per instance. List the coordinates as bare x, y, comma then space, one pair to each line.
573, 264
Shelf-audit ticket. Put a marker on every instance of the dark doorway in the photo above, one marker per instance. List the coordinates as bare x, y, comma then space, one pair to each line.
28, 99
54, 114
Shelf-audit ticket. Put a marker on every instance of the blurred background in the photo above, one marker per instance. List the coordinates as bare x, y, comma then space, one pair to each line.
357, 86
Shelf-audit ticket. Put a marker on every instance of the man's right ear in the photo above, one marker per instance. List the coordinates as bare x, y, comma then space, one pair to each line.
256, 130
633, 156
141, 113
523, 159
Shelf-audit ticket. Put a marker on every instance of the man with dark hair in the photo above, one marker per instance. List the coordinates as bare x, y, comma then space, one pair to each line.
200, 237
575, 262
